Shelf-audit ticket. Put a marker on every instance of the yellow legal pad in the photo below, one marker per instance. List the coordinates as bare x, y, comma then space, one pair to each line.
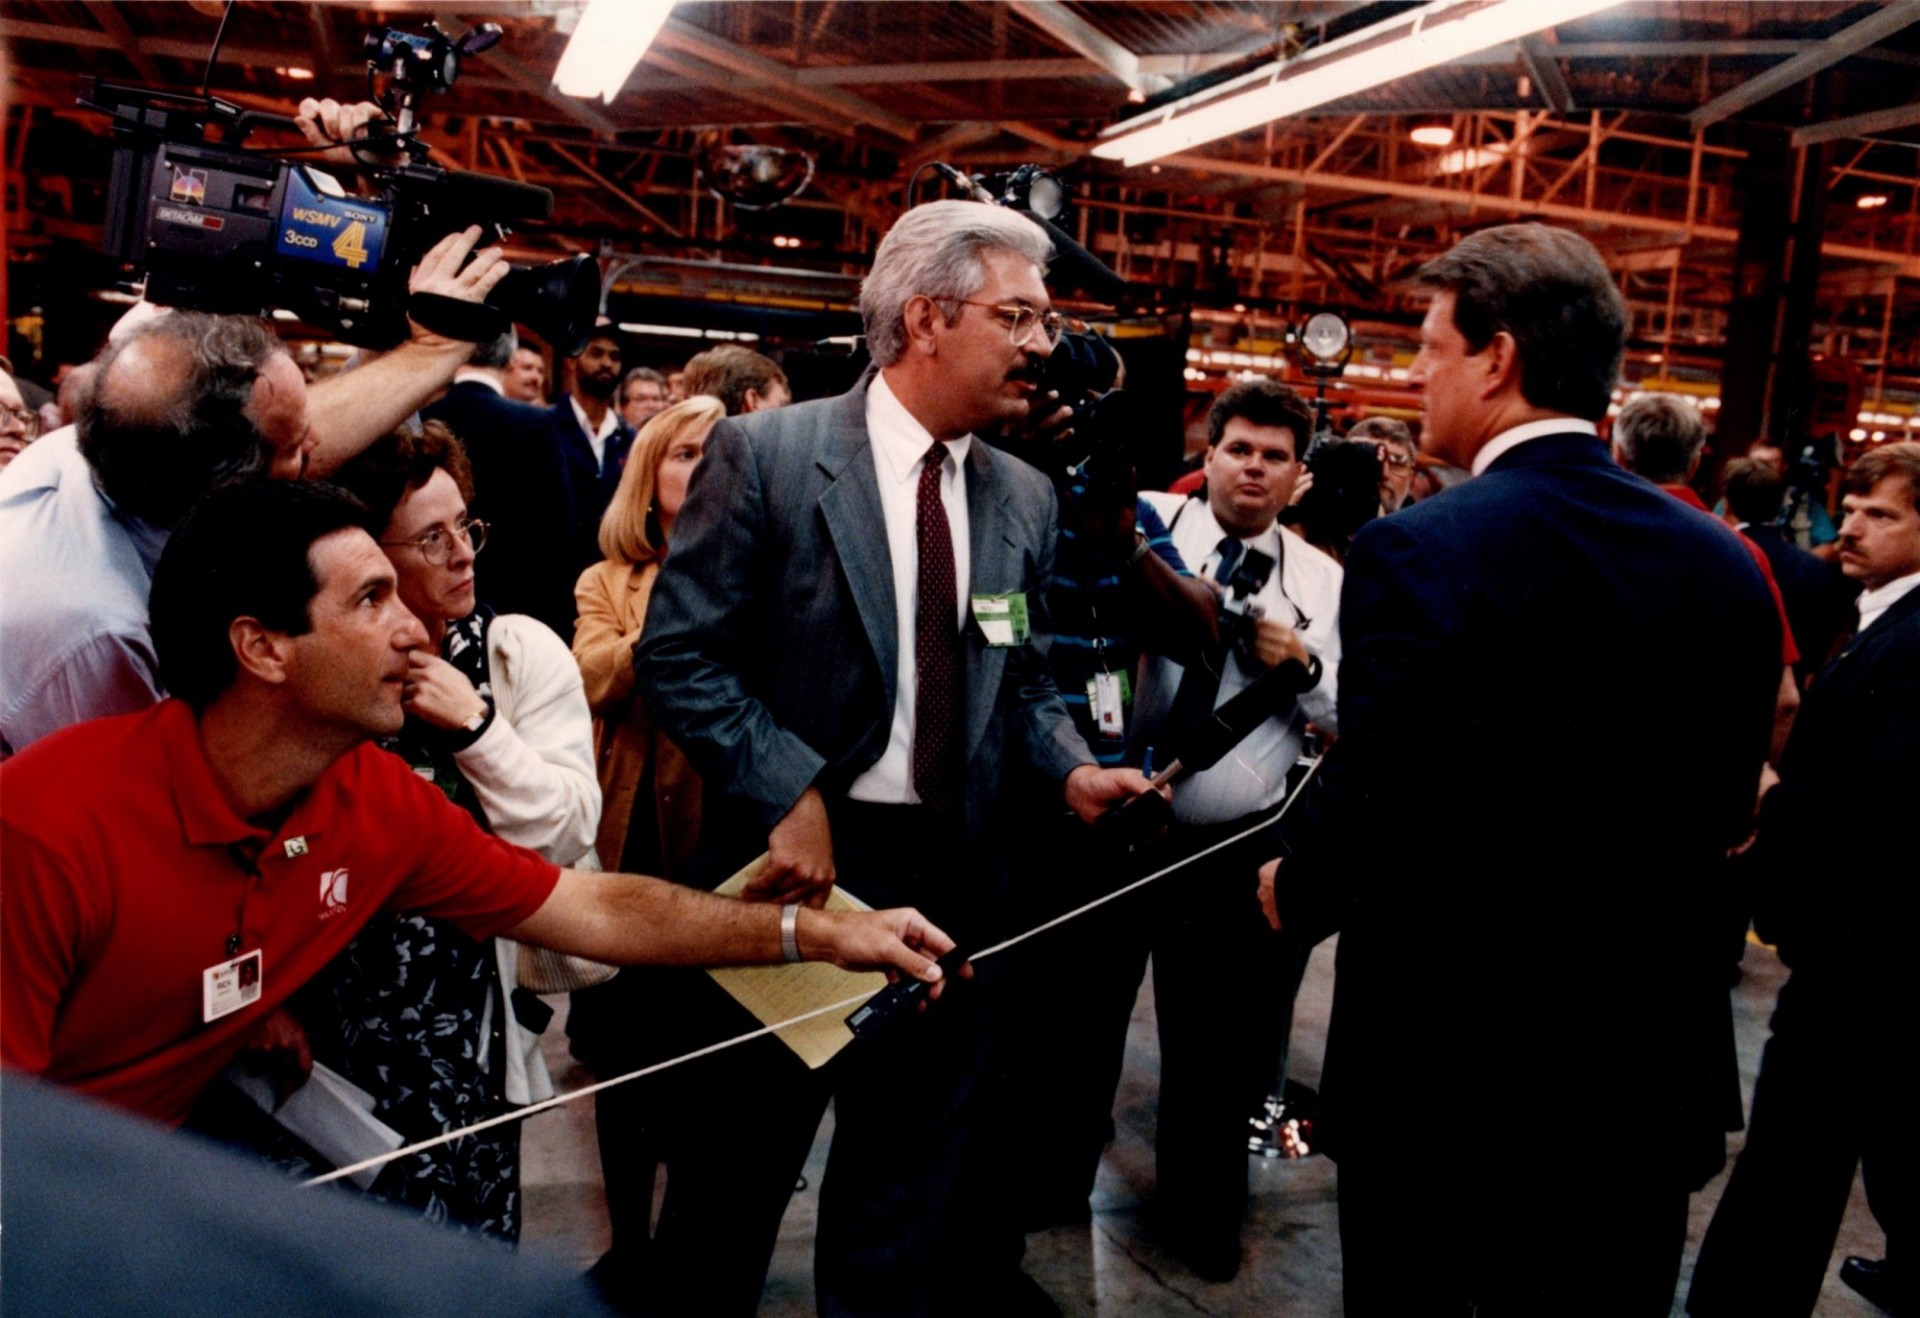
778, 993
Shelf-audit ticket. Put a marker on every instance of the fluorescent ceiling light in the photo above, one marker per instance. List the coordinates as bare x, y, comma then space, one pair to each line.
1432, 135
1421, 39
607, 44
1459, 162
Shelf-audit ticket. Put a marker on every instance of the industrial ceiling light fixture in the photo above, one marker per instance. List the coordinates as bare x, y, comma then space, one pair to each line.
606, 46
1432, 134
1409, 43
752, 176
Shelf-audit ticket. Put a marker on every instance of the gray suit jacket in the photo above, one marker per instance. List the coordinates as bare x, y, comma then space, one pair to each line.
769, 651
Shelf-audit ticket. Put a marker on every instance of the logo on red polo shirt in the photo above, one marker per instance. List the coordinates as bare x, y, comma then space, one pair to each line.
333, 893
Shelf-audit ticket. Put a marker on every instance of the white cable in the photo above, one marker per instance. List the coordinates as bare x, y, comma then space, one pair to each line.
521, 1114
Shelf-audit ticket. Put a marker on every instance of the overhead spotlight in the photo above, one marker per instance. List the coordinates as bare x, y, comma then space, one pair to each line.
1328, 339
755, 177
1871, 201
1433, 135
1033, 188
294, 72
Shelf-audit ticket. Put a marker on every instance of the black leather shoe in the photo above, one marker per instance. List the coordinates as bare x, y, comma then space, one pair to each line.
1878, 1284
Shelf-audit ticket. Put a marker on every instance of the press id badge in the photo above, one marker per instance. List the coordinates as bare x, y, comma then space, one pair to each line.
1002, 618
1107, 698
230, 985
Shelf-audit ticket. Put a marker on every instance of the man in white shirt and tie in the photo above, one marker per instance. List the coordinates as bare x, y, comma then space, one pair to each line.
1825, 871
1209, 943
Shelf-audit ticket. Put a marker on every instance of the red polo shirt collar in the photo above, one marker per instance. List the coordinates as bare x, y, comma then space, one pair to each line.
207, 818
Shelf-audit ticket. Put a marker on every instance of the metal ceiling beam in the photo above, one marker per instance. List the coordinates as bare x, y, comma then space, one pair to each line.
194, 52
744, 63
1001, 70
1542, 62
108, 16
618, 191
957, 138
1858, 125
789, 109
1075, 33
535, 84
1849, 40
1485, 202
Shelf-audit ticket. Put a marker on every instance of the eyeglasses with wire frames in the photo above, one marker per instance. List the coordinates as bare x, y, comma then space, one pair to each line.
436, 545
1020, 319
26, 418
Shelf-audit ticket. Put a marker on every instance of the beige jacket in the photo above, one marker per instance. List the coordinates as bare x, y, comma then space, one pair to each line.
612, 599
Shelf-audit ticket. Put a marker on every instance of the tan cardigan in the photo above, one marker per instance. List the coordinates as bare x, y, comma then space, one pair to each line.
612, 599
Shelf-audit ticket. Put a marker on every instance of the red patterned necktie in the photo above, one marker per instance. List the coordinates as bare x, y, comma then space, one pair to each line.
936, 648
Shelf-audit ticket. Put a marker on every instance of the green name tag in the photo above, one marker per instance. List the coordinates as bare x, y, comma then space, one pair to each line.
1002, 618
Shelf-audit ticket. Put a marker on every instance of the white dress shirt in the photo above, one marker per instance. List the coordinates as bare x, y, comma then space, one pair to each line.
1253, 775
1875, 602
597, 439
1514, 436
491, 379
898, 443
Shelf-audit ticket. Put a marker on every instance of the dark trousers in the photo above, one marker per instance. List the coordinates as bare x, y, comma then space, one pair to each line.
1217, 982
1593, 1234
1831, 1096
1069, 996
904, 1109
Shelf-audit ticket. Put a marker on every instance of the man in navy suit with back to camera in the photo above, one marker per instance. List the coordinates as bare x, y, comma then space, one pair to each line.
849, 642
1555, 697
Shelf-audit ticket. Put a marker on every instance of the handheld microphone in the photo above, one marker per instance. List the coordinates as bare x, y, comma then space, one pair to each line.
900, 999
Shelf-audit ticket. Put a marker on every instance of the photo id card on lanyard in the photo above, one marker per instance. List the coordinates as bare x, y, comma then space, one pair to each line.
227, 986
1107, 698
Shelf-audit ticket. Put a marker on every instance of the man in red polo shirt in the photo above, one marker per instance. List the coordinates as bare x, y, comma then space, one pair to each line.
173, 876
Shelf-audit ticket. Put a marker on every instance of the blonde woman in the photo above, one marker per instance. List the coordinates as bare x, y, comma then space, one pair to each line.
652, 815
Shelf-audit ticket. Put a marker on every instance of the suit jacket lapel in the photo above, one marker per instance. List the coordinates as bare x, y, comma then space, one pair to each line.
994, 566
858, 527
1883, 626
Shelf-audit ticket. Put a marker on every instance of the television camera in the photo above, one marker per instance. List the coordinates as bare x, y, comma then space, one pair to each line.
216, 225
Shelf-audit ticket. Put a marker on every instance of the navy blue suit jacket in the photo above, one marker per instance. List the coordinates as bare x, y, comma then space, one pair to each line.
1555, 697
521, 490
1834, 861
590, 482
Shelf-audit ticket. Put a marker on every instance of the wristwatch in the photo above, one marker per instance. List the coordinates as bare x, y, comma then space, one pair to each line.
1141, 547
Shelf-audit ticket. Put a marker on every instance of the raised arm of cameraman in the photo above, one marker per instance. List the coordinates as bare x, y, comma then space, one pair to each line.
352, 409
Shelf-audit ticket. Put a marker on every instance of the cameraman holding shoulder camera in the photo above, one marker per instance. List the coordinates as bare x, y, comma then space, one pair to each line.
181, 402
1280, 603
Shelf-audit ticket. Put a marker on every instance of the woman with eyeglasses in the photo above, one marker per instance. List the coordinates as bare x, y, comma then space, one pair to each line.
652, 815
415, 1012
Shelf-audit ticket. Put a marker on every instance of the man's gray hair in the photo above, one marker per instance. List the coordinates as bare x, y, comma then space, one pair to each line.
169, 425
936, 250
1659, 437
1386, 429
495, 354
